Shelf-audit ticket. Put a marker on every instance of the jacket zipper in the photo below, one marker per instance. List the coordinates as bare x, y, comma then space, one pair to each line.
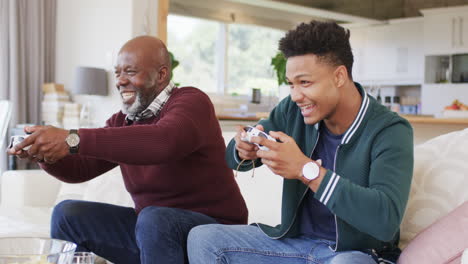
300, 201
336, 221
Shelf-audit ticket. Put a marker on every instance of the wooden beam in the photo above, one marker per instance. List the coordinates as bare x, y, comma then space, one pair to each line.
163, 11
303, 10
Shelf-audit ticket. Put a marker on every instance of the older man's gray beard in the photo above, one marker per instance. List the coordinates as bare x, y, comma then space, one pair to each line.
141, 103
137, 107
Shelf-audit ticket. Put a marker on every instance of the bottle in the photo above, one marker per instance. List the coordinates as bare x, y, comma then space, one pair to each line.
379, 98
85, 116
396, 104
388, 102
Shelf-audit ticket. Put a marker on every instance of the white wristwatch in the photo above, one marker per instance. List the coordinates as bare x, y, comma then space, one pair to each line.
310, 171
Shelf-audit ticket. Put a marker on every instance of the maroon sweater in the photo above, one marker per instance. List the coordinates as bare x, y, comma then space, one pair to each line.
173, 160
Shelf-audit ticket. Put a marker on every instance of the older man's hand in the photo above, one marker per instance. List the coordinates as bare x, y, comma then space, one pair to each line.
47, 144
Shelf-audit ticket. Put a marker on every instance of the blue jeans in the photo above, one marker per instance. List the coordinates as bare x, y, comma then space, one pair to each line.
216, 244
155, 235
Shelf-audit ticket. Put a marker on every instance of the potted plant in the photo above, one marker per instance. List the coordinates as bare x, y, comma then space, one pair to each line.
174, 64
279, 66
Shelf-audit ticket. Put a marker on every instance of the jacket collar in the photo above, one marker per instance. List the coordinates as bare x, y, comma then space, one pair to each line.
359, 118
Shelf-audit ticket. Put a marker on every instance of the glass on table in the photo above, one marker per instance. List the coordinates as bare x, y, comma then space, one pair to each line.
31, 250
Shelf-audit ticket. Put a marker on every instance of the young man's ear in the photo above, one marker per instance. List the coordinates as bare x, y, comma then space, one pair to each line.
341, 75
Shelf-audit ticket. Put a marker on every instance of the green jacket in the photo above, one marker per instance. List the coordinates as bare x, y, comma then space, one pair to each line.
368, 189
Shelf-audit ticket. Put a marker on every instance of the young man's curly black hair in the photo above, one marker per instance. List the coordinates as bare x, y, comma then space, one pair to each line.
327, 40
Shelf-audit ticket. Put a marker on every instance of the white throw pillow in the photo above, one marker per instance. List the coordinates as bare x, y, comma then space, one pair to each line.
439, 182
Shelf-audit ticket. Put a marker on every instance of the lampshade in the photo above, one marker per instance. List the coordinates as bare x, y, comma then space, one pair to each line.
92, 81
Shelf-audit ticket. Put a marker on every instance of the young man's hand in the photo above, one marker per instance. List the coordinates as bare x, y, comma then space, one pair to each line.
283, 158
47, 144
246, 150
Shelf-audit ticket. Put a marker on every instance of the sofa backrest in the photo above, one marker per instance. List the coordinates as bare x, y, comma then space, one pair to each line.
261, 190
107, 188
439, 184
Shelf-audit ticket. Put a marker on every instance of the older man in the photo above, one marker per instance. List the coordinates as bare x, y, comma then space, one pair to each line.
168, 144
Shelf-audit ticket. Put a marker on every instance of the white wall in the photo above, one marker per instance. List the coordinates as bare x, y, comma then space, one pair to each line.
144, 17
90, 33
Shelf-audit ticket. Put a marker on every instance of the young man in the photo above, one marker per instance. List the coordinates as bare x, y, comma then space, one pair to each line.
346, 162
168, 143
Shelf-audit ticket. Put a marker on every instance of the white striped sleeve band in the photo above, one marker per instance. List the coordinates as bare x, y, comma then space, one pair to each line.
331, 185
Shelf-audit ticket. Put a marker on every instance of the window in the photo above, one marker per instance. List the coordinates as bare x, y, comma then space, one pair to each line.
193, 42
223, 58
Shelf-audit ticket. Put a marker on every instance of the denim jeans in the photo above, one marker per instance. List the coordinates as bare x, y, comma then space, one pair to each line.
155, 235
241, 244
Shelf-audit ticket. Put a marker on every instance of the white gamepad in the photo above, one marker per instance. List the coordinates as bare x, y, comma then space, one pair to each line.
15, 140
253, 132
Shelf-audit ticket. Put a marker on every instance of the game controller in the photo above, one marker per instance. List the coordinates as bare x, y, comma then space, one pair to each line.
253, 132
15, 140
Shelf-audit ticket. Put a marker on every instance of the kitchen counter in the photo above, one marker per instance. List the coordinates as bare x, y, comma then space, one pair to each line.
413, 119
416, 119
237, 118
424, 127
247, 117
428, 127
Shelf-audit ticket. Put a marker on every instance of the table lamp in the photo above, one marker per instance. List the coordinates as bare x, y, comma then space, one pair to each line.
89, 81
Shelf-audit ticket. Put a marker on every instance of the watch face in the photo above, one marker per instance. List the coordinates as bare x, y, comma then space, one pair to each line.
311, 170
73, 140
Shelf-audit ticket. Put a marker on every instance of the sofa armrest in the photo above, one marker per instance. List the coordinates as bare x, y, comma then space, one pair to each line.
28, 188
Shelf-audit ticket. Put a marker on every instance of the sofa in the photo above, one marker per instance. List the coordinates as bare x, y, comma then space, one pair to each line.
439, 186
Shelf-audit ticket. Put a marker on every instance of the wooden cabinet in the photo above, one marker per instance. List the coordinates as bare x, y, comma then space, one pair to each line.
445, 30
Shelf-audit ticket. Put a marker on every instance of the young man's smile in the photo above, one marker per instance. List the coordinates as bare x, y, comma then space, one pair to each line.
307, 109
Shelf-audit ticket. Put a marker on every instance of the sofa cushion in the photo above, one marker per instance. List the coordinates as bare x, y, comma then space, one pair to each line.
108, 188
28, 188
442, 242
26, 221
71, 191
439, 182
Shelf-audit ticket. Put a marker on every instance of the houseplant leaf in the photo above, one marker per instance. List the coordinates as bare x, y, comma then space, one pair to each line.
279, 65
